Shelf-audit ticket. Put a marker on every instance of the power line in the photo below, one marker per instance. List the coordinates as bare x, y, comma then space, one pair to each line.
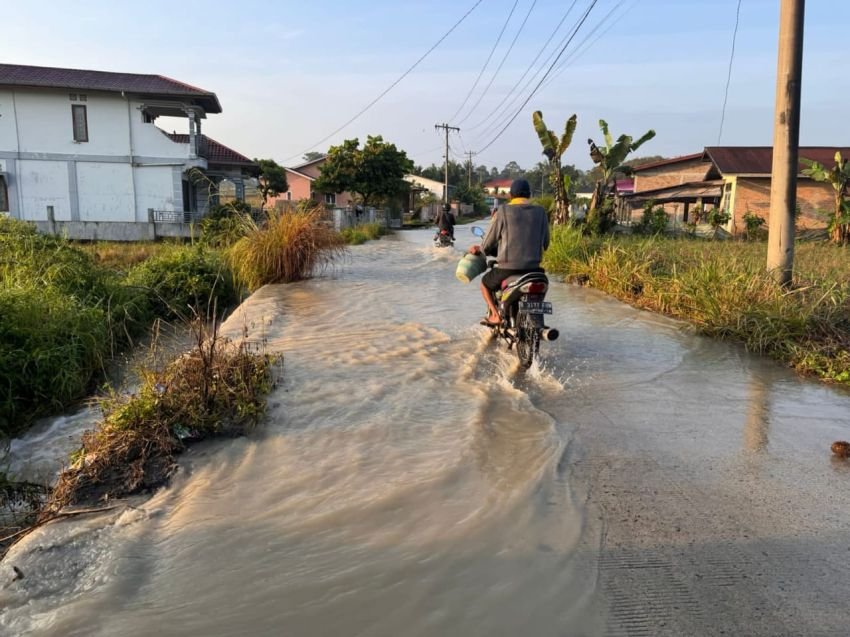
729, 75
487, 63
394, 84
530, 66
501, 64
545, 75
581, 49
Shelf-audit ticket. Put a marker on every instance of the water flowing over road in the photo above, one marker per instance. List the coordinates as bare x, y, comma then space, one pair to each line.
411, 480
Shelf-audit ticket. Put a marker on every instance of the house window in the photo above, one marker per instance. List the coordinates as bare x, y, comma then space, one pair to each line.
80, 122
330, 199
4, 195
289, 195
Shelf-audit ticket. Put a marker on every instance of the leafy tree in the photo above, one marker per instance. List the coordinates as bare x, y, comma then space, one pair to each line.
272, 179
313, 156
839, 177
554, 148
610, 159
374, 172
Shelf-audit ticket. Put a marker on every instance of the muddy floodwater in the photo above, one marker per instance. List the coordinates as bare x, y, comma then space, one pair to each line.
412, 481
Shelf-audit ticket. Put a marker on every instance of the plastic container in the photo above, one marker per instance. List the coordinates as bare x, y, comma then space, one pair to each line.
470, 266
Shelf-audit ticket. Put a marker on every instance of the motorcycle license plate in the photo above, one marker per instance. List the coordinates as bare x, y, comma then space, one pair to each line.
537, 307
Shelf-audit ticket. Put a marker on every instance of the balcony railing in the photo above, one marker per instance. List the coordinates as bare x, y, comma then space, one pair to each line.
175, 216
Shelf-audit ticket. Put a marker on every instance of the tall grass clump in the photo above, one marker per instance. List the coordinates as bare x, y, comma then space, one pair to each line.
216, 389
288, 246
723, 289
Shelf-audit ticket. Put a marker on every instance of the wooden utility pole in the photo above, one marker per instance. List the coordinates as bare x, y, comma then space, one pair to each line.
786, 142
469, 168
446, 128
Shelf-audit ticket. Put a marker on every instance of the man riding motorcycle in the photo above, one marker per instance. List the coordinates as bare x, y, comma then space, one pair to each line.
446, 221
518, 236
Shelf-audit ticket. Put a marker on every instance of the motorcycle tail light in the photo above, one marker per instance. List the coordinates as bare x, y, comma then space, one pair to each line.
536, 288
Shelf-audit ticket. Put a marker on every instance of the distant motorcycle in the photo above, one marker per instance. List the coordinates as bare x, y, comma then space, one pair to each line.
522, 306
443, 239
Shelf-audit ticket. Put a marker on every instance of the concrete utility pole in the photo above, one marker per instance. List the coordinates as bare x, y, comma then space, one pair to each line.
446, 128
469, 168
786, 142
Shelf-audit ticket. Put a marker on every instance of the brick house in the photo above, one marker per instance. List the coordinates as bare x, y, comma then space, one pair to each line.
734, 178
300, 180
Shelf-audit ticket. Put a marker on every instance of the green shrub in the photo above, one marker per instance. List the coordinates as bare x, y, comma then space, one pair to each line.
185, 280
752, 225
225, 224
654, 220
362, 233
51, 348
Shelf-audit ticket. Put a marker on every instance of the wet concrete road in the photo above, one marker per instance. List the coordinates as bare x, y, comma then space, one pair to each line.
412, 481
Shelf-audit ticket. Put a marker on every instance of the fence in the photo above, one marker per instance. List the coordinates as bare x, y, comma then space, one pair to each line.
174, 216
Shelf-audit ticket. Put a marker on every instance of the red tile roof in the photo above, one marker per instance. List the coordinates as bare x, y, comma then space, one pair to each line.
216, 153
499, 183
83, 80
758, 160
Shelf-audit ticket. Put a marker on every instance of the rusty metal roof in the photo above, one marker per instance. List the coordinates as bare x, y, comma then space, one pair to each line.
667, 162
84, 80
215, 152
758, 160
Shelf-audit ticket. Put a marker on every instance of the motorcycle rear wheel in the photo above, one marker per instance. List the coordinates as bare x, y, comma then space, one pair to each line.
528, 340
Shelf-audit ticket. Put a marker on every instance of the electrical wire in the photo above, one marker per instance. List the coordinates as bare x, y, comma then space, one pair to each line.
581, 49
729, 74
487, 63
393, 85
501, 64
545, 75
498, 108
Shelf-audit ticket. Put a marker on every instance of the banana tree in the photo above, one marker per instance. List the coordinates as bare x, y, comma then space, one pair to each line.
839, 177
610, 158
554, 148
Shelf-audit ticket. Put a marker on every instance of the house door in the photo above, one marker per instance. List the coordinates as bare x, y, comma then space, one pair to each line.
190, 203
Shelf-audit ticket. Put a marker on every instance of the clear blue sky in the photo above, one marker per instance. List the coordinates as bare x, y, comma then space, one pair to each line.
288, 73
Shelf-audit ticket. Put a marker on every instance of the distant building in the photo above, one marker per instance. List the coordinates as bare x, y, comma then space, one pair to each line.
81, 155
300, 179
733, 178
499, 188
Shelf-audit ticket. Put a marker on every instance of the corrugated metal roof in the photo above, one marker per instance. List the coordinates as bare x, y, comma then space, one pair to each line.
694, 190
84, 80
758, 160
667, 162
216, 152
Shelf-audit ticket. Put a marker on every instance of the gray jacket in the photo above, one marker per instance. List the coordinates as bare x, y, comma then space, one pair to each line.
518, 235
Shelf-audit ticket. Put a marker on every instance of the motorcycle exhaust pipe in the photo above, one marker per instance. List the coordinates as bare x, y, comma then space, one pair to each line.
550, 334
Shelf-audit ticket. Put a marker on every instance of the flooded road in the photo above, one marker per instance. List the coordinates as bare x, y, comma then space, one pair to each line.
412, 481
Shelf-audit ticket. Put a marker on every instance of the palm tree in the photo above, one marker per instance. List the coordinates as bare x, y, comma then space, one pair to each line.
554, 148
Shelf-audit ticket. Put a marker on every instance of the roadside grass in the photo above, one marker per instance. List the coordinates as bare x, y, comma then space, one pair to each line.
721, 287
288, 247
123, 255
357, 235
216, 389
63, 316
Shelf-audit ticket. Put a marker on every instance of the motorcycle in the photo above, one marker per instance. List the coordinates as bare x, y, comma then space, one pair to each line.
522, 306
443, 239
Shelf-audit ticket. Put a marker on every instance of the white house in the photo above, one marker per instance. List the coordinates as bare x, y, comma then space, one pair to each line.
80, 153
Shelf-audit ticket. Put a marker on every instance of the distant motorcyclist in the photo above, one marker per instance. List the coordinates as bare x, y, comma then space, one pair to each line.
518, 236
446, 221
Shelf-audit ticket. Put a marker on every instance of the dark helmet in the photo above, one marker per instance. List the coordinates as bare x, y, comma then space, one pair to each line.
520, 188
447, 207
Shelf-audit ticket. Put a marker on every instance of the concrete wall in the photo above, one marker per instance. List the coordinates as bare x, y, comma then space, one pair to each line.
106, 192
42, 184
8, 136
155, 188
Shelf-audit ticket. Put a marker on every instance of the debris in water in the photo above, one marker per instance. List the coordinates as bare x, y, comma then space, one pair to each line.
19, 574
841, 449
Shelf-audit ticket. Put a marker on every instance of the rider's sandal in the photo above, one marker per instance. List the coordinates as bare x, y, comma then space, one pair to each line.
486, 323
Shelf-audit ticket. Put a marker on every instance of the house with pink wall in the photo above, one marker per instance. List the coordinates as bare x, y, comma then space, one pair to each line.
300, 179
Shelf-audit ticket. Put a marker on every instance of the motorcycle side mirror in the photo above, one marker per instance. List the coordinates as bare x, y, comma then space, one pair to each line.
478, 232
